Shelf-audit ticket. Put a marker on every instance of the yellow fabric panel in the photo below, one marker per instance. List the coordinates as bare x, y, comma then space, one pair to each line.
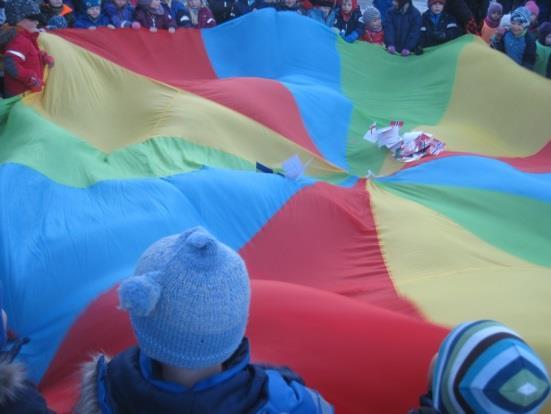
485, 114
111, 107
453, 276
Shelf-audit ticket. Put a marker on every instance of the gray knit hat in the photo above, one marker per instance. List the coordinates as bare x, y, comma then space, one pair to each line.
17, 10
188, 300
371, 13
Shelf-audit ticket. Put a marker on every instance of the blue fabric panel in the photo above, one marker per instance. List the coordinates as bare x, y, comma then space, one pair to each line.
477, 173
277, 51
49, 230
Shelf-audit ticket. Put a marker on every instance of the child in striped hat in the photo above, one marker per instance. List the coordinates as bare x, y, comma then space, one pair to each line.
516, 42
483, 367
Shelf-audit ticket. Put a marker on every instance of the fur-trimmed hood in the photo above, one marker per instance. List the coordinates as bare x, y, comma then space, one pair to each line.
12, 380
88, 400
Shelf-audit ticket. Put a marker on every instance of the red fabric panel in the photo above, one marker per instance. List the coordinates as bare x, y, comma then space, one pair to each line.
154, 55
362, 358
334, 246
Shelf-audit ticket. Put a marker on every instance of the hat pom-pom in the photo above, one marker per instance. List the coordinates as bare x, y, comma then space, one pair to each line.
139, 294
201, 240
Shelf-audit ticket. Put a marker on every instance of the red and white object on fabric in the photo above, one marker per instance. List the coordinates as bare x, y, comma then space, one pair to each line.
407, 147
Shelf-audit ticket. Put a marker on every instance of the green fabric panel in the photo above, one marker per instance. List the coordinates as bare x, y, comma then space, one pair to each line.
542, 58
415, 90
518, 225
26, 137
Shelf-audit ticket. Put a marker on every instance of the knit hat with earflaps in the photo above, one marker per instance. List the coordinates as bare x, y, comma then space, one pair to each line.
188, 300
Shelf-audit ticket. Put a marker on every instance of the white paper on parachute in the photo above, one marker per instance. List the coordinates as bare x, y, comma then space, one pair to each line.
408, 147
293, 168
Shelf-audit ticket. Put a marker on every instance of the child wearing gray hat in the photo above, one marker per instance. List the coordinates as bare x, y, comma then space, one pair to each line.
189, 304
373, 26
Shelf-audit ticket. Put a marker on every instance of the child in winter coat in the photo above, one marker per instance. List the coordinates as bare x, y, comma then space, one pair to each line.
516, 42
53, 8
197, 15
383, 6
373, 26
17, 394
120, 14
23, 60
93, 18
543, 52
189, 303
348, 21
534, 13
491, 22
497, 370
437, 26
154, 15
291, 6
402, 28
242, 7
323, 11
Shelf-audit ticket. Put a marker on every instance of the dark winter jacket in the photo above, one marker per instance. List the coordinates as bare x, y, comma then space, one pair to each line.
17, 394
221, 10
84, 21
383, 6
149, 19
119, 18
296, 8
204, 18
352, 24
23, 61
461, 11
47, 12
130, 384
527, 56
241, 7
438, 29
478, 8
403, 27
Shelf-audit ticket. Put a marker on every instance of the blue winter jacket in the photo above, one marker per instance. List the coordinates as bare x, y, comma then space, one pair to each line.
403, 28
119, 17
130, 383
84, 21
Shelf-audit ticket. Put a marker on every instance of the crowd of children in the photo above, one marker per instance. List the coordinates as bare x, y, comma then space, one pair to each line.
518, 29
397, 25
193, 356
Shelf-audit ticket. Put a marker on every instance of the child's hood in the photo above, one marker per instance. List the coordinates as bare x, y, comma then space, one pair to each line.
12, 379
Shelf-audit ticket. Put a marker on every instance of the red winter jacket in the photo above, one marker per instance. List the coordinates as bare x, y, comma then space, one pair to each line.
23, 64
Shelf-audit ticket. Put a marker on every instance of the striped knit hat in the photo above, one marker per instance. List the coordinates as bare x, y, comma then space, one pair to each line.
484, 367
521, 15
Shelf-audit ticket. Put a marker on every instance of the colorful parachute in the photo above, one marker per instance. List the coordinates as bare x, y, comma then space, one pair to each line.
355, 281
